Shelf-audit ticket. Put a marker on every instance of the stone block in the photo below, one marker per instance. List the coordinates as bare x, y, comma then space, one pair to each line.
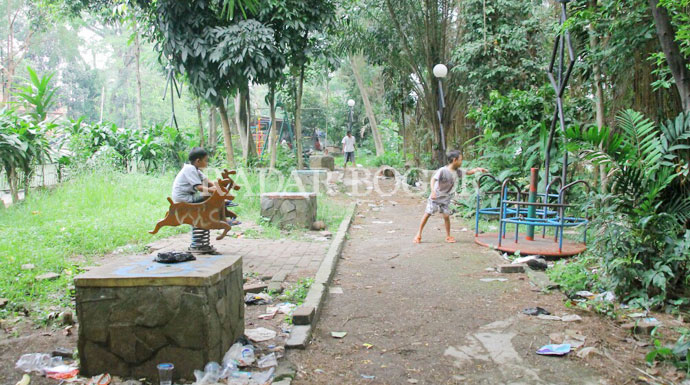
138, 313
311, 180
303, 315
322, 162
289, 210
512, 268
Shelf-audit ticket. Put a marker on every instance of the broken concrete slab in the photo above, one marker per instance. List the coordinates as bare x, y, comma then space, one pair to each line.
47, 276
299, 337
255, 288
275, 287
280, 277
512, 268
303, 315
285, 371
541, 280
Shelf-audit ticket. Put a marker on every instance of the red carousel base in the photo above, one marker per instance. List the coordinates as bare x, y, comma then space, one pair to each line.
539, 246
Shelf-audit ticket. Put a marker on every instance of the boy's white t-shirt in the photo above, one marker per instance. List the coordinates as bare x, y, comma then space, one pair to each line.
446, 180
187, 179
349, 143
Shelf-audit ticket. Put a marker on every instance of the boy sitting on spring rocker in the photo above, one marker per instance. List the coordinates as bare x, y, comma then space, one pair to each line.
192, 186
442, 190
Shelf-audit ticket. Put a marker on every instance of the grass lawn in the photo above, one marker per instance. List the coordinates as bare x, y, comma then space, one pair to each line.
60, 230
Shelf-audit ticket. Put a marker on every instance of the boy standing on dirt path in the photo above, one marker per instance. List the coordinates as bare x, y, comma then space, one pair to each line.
442, 189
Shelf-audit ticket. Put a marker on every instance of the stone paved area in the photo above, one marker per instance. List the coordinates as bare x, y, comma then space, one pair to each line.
266, 257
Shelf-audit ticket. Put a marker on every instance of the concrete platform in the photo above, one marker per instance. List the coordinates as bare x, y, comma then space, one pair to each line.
539, 246
135, 313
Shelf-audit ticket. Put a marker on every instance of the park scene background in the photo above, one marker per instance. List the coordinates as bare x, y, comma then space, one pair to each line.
102, 101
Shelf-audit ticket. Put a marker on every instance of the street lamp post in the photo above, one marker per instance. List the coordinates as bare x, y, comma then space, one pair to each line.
440, 71
350, 103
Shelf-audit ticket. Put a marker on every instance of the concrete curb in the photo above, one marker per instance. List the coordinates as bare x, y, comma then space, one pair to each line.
300, 334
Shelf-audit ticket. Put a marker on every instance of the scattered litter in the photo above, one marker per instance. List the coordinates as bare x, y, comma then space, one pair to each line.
490, 269
554, 350
28, 266
382, 222
335, 290
269, 315
367, 377
571, 318
606, 296
319, 371
493, 279
268, 361
356, 226
37, 362
565, 318
636, 315
584, 294
390, 231
283, 308
261, 378
25, 380
585, 352
537, 264
571, 337
524, 259
412, 381
209, 376
651, 320
338, 334
368, 346
257, 299
464, 229
174, 257
62, 352
260, 334
101, 379
61, 372
239, 355
536, 311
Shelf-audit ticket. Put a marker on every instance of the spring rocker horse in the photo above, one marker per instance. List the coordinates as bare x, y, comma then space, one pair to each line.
210, 214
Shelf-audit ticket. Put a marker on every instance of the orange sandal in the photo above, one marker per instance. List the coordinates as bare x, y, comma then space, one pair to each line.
450, 240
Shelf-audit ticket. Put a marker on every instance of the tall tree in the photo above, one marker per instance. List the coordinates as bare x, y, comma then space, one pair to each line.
354, 64
677, 62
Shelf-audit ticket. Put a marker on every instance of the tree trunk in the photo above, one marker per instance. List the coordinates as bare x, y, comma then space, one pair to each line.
212, 129
676, 62
227, 137
240, 121
298, 119
367, 107
137, 56
251, 147
202, 139
599, 104
273, 136
13, 181
403, 131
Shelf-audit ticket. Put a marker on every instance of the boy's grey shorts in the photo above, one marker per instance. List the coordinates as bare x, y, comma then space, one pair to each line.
433, 207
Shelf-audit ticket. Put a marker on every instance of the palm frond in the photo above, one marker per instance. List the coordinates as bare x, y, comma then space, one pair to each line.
643, 136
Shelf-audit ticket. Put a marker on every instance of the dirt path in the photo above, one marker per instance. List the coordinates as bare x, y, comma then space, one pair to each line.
426, 314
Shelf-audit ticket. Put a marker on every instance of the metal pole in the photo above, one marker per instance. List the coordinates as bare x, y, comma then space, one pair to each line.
532, 209
441, 106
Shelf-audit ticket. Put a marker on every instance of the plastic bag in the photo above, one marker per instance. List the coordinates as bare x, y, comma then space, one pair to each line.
268, 361
210, 375
37, 362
